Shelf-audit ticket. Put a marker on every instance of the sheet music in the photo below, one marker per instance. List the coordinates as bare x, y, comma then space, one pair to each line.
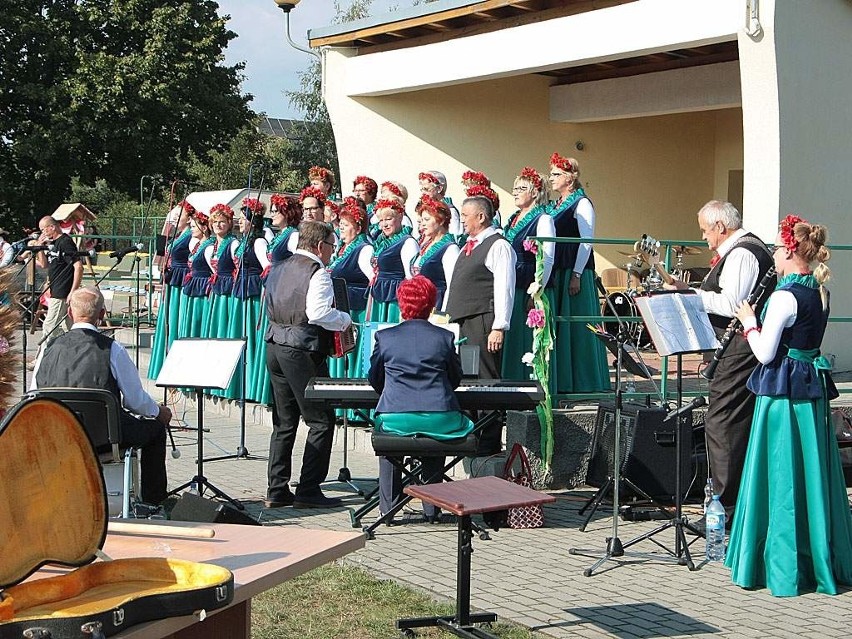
201, 363
677, 323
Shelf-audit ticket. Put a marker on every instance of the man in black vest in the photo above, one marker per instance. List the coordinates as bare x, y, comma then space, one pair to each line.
482, 290
743, 260
302, 319
85, 358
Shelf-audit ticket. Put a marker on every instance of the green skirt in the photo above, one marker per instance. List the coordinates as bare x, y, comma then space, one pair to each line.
194, 313
244, 321
222, 325
518, 342
354, 363
441, 426
166, 330
792, 530
581, 363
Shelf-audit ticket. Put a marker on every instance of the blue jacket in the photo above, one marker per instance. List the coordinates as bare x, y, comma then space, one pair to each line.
415, 367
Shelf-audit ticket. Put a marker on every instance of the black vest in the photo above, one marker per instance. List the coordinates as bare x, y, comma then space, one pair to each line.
78, 359
286, 301
472, 289
756, 247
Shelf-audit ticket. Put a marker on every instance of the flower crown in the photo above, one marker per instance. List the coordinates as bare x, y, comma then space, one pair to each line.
278, 201
393, 188
429, 178
436, 208
562, 162
368, 182
253, 204
334, 206
201, 217
222, 209
312, 191
320, 173
469, 178
531, 175
788, 226
477, 190
186, 206
352, 211
389, 204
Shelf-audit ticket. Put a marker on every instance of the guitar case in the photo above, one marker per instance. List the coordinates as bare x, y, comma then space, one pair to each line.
53, 510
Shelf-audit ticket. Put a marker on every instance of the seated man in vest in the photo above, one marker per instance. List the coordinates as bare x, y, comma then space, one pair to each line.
85, 358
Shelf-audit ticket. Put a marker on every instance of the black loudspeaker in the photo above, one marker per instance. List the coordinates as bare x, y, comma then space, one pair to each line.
191, 507
647, 448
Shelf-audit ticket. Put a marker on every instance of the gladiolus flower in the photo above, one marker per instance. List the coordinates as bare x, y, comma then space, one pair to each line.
531, 246
535, 318
528, 359
533, 288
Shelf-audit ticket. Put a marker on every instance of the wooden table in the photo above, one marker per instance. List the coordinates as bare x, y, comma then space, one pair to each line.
465, 498
259, 556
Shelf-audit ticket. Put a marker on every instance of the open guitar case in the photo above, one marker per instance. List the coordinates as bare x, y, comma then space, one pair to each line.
53, 510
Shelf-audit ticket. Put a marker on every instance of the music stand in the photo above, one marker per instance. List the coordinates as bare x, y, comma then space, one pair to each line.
678, 325
201, 364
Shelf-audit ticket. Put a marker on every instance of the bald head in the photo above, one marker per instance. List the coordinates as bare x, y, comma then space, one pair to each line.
86, 305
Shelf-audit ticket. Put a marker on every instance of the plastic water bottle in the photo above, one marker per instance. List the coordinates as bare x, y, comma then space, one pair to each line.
715, 532
708, 494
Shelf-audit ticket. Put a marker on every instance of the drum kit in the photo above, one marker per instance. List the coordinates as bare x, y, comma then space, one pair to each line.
642, 281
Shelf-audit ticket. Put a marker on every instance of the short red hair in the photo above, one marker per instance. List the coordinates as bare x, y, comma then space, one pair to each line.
416, 297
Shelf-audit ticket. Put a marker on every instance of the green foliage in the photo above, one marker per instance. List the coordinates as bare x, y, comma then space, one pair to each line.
108, 89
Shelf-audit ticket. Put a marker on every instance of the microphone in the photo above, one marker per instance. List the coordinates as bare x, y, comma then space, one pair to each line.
34, 249
130, 249
90, 253
31, 236
698, 402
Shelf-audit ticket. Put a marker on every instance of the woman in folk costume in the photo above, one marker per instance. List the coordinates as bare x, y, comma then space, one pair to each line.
223, 265
174, 273
313, 202
353, 262
390, 190
792, 530
246, 302
322, 179
434, 184
581, 364
529, 220
331, 215
438, 249
366, 190
393, 252
195, 303
286, 215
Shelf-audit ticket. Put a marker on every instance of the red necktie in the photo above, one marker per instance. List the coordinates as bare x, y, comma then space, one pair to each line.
468, 247
713, 260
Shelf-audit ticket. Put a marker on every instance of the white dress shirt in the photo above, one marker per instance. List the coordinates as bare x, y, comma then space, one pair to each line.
739, 276
133, 396
319, 303
585, 214
501, 262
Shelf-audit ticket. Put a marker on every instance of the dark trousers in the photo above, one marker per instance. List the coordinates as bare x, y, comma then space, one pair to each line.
728, 421
290, 369
390, 482
476, 329
149, 436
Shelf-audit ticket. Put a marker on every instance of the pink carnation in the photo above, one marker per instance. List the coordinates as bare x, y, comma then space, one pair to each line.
535, 318
531, 246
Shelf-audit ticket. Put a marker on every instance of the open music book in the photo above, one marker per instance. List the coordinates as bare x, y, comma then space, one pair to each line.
677, 323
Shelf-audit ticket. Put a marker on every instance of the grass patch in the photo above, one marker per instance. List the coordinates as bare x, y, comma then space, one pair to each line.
346, 602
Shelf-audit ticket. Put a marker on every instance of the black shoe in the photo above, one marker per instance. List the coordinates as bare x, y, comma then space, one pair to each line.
316, 501
286, 499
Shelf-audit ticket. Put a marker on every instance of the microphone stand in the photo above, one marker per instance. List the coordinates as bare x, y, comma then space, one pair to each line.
29, 264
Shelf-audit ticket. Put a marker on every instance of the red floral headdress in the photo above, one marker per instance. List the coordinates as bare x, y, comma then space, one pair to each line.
477, 190
222, 209
201, 217
252, 205
787, 227
436, 208
334, 206
369, 184
429, 178
278, 201
312, 191
389, 204
562, 162
469, 178
186, 206
352, 211
320, 173
532, 176
393, 188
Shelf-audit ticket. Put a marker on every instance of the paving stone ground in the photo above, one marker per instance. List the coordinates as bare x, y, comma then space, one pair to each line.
530, 577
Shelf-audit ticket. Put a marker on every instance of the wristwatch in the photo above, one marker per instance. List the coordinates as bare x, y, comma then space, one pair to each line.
577, 275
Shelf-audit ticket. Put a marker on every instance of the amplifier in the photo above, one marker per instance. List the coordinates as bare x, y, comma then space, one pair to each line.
647, 447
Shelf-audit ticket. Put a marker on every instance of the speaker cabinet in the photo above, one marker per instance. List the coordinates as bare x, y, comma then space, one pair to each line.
647, 450
191, 507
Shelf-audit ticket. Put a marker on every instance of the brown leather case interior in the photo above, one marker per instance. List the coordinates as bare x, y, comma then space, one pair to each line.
53, 509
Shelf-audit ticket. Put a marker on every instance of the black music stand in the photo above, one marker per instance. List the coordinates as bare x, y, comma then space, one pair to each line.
200, 364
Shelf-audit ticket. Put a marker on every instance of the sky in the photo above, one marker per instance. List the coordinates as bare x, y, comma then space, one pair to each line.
272, 66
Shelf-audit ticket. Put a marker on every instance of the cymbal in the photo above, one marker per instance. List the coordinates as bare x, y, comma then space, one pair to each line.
687, 250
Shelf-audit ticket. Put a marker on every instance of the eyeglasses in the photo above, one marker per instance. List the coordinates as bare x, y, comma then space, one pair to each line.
331, 244
556, 174
520, 189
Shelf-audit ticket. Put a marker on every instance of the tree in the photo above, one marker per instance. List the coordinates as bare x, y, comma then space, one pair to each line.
316, 143
109, 89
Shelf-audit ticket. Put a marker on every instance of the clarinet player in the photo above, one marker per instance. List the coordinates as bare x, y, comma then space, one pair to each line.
739, 264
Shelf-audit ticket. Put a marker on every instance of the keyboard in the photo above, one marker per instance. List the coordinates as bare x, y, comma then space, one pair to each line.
480, 394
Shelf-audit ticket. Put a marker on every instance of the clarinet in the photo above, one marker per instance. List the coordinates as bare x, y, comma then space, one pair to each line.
710, 370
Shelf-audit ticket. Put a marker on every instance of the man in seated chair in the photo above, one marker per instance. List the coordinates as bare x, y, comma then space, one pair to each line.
85, 358
415, 369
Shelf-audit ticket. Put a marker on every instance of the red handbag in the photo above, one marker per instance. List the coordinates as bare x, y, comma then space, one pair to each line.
524, 516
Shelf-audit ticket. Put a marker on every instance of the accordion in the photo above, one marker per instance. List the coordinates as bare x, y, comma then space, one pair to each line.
344, 341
